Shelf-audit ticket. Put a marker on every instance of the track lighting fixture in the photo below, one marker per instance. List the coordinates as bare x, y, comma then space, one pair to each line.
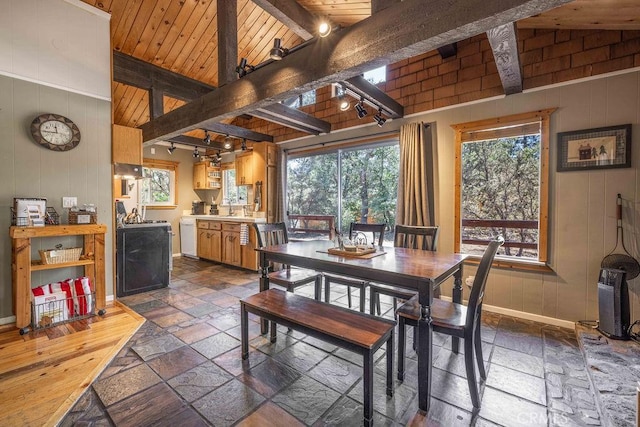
278, 52
217, 158
379, 119
344, 103
196, 153
360, 109
171, 149
243, 146
244, 68
227, 143
207, 138
324, 29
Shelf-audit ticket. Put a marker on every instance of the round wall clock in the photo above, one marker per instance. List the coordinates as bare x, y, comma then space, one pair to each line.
55, 132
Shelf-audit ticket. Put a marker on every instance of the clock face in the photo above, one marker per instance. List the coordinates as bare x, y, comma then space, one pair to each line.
55, 132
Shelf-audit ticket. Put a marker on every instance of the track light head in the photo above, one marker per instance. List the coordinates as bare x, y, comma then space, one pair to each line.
196, 153
243, 146
379, 119
278, 52
244, 68
207, 138
360, 109
171, 149
324, 29
227, 143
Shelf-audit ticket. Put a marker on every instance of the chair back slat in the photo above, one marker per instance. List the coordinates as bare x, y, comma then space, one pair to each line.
270, 234
375, 229
480, 281
416, 237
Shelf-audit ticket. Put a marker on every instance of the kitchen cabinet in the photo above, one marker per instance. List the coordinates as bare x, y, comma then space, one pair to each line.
231, 252
206, 177
126, 145
220, 241
22, 265
245, 168
272, 155
249, 255
209, 240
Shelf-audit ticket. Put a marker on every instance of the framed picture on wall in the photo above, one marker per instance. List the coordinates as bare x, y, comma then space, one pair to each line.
598, 148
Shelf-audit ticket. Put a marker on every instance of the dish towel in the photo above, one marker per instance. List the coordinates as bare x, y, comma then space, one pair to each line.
244, 234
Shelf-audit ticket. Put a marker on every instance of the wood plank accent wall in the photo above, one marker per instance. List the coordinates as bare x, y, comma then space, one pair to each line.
427, 82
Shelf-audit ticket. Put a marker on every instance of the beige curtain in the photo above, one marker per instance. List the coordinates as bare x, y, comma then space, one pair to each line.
416, 188
281, 182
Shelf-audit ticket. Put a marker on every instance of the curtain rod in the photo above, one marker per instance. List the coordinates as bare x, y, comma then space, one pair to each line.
338, 141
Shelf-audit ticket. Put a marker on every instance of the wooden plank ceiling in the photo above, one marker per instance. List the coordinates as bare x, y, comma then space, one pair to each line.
181, 36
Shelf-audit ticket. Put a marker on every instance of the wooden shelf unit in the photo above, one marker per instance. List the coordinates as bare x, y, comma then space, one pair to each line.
22, 265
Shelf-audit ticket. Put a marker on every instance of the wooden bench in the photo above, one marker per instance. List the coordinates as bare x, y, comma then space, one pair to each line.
358, 332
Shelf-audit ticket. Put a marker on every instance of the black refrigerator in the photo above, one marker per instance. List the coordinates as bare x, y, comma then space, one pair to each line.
143, 258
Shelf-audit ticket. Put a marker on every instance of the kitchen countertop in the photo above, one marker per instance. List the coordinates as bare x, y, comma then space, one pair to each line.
227, 218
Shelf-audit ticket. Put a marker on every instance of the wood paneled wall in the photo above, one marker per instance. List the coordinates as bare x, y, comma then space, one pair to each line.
582, 204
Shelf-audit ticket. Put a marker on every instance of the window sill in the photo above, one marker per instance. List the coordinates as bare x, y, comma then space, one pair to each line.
158, 207
512, 264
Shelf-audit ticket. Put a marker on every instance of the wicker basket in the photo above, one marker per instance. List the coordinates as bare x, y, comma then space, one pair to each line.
57, 256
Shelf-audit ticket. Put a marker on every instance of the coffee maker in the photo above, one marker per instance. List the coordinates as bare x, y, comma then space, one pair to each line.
197, 207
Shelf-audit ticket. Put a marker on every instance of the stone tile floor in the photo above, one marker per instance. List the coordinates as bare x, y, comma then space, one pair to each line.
183, 368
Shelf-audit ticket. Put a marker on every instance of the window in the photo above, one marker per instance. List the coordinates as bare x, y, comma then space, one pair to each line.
354, 184
377, 75
502, 185
232, 194
307, 98
158, 188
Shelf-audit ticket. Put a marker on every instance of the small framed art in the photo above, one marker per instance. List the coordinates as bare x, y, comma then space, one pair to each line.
598, 148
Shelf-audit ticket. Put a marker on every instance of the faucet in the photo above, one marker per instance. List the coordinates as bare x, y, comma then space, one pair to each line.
244, 210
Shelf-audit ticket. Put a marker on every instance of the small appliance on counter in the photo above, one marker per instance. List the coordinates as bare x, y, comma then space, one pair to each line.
197, 207
213, 210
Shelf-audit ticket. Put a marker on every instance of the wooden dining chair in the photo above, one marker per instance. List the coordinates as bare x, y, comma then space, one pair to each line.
288, 277
456, 320
410, 237
377, 231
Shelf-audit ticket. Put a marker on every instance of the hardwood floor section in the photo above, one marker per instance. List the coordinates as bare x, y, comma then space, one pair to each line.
43, 373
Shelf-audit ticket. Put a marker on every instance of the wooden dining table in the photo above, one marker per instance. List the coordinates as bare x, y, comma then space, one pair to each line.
414, 269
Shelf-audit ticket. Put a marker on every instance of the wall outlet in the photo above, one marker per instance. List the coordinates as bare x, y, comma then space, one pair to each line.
153, 150
69, 202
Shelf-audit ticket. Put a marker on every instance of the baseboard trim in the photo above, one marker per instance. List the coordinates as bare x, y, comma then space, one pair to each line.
524, 315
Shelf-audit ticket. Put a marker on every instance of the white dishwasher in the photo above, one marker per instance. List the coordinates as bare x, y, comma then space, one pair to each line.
188, 237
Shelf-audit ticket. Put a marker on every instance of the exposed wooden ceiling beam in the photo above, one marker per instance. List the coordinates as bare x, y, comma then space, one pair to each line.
366, 89
290, 13
237, 131
378, 5
134, 72
402, 31
227, 16
504, 43
292, 118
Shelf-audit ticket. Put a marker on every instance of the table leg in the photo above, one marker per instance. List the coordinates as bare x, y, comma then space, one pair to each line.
244, 331
457, 298
367, 381
425, 337
264, 285
390, 364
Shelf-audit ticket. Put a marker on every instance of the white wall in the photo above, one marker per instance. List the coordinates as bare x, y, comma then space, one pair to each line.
59, 43
51, 54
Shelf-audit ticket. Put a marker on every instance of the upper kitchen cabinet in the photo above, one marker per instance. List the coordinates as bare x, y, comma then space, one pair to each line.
264, 157
206, 177
245, 165
126, 145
